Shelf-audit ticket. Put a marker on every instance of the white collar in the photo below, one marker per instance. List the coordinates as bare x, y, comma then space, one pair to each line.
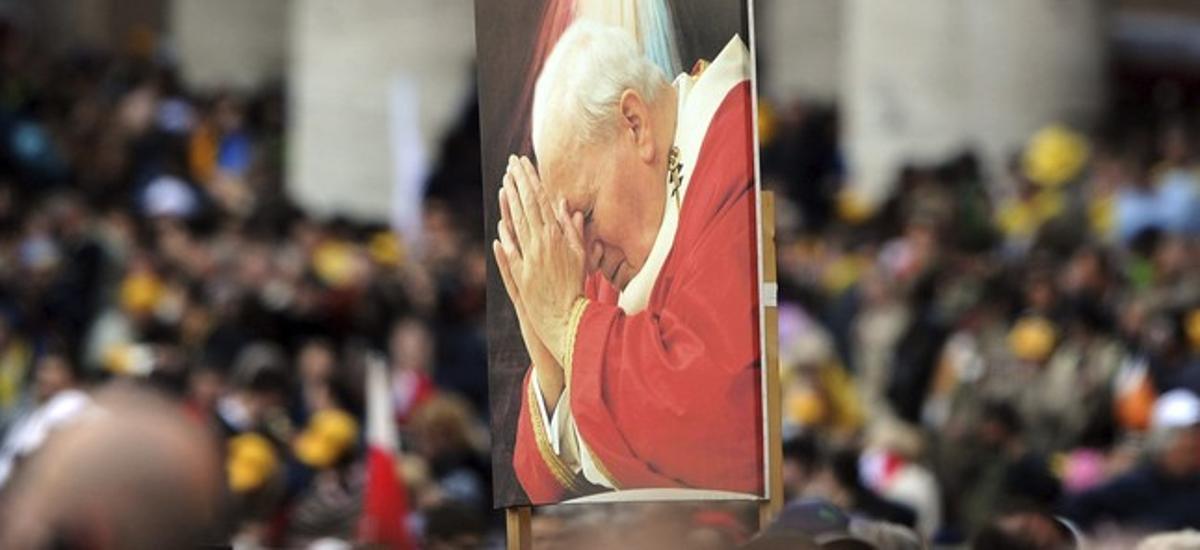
699, 99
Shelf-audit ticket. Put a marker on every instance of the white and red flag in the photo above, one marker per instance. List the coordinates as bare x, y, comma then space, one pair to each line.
385, 503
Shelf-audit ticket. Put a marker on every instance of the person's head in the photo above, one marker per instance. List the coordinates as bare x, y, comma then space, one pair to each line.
443, 426
411, 345
1175, 144
811, 523
1025, 530
1040, 292
454, 527
316, 361
1171, 258
260, 376
442, 238
228, 113
603, 124
140, 475
999, 423
1174, 450
801, 463
1088, 271
55, 372
844, 467
205, 385
886, 536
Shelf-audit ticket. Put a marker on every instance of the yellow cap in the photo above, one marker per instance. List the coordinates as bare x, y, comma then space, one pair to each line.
852, 207
1032, 339
329, 434
386, 249
806, 407
128, 360
140, 292
1055, 155
333, 261
250, 463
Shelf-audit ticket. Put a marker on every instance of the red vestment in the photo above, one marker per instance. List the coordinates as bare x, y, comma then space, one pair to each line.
670, 397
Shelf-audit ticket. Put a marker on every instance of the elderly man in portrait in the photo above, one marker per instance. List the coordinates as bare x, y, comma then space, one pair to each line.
629, 253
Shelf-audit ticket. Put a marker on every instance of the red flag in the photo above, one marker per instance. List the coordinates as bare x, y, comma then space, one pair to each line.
385, 505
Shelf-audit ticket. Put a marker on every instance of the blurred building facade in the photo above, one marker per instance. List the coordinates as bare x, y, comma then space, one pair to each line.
924, 80
230, 43
920, 80
374, 86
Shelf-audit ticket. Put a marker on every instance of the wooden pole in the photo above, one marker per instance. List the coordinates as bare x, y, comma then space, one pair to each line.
771, 507
518, 520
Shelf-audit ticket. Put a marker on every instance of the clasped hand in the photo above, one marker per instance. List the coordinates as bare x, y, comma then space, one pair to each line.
540, 255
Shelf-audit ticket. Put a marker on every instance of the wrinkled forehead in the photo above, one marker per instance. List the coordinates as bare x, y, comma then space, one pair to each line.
570, 172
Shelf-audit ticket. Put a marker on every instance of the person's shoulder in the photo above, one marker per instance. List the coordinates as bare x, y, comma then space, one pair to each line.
729, 67
66, 404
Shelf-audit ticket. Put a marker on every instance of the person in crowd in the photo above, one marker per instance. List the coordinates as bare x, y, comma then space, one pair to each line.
1026, 529
412, 356
443, 432
1157, 494
58, 402
834, 475
135, 476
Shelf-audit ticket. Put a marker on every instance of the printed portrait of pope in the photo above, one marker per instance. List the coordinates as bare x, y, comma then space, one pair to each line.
628, 249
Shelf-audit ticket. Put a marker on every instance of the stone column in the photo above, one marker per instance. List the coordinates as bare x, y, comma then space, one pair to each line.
1030, 63
924, 79
800, 49
236, 44
373, 84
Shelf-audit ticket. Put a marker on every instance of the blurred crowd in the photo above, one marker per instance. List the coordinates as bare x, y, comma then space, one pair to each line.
1007, 358
986, 360
146, 241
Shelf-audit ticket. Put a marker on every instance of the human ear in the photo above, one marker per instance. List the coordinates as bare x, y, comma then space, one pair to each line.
636, 124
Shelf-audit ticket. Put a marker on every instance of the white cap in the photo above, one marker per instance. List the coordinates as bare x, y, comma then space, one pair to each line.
169, 196
1177, 408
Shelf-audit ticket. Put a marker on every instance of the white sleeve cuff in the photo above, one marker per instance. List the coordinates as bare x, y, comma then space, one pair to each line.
551, 423
565, 440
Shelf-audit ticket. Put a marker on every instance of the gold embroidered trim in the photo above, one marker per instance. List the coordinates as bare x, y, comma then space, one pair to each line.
577, 311
573, 320
561, 472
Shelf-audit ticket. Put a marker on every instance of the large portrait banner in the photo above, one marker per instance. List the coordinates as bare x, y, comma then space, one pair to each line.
625, 325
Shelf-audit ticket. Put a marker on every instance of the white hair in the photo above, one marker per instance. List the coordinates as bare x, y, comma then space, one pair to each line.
583, 78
